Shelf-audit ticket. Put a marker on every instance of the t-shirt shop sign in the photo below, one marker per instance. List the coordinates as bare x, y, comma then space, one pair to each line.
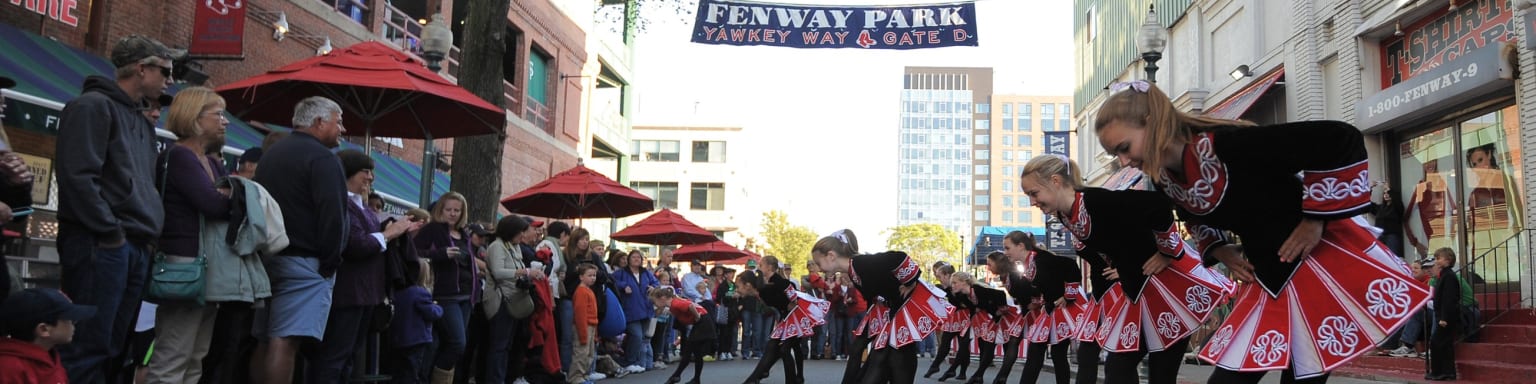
727, 22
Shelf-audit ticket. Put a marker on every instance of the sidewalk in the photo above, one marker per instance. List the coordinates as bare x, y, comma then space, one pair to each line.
1197, 374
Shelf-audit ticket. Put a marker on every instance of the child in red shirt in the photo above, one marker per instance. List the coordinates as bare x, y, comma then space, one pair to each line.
585, 307
37, 320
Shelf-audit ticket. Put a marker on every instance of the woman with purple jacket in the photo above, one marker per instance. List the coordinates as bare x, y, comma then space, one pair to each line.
446, 243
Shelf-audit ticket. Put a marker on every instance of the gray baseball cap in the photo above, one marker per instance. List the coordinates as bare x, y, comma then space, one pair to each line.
133, 48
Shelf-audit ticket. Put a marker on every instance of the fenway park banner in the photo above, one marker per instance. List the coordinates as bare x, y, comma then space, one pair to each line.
729, 22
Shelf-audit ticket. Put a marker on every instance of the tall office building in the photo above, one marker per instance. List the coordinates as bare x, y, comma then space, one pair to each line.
942, 109
1018, 134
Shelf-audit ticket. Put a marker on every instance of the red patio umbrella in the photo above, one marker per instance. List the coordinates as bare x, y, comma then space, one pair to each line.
665, 228
711, 251
388, 91
576, 193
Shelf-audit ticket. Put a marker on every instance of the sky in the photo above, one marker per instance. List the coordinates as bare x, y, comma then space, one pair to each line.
820, 125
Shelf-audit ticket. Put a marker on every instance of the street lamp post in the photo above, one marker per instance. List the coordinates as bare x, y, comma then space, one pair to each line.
1151, 41
436, 40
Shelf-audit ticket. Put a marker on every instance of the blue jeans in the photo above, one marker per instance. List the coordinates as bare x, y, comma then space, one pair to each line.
565, 319
112, 280
749, 324
837, 326
1415, 330
637, 347
927, 345
853, 323
450, 332
765, 326
509, 345
727, 338
817, 341
408, 363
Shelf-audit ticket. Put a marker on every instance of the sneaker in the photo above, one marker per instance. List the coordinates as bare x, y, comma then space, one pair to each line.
1403, 352
596, 376
709, 358
520, 381
634, 369
660, 365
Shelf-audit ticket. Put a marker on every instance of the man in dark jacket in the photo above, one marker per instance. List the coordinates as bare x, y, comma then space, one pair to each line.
109, 209
307, 182
15, 193
360, 282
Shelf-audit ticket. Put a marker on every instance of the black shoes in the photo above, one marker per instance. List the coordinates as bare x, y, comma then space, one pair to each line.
931, 370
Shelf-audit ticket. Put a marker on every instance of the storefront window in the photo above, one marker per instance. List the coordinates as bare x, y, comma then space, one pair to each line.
1428, 164
1460, 185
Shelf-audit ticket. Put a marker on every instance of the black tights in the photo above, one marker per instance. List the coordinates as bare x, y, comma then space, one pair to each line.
1088, 362
988, 351
1010, 356
1162, 367
962, 354
1287, 376
1034, 361
890, 366
693, 353
792, 351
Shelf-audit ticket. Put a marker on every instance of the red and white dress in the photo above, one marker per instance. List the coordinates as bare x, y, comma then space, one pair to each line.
805, 313
1006, 325
914, 317
1128, 228
1336, 303
959, 320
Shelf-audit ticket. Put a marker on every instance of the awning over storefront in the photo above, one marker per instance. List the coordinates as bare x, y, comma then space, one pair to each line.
49, 74
1235, 106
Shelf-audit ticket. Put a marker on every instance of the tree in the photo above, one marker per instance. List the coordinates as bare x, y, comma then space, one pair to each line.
790, 243
926, 243
477, 172
628, 13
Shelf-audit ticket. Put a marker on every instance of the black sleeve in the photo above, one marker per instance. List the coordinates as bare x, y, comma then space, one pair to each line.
1447, 297
1329, 156
328, 186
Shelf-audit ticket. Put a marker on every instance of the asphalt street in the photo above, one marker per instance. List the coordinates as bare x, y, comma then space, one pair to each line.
825, 371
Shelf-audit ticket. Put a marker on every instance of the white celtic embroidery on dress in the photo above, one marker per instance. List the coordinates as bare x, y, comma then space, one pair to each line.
1337, 336
1198, 197
1168, 325
1219, 341
1129, 335
1198, 299
1331, 188
925, 324
1388, 298
1268, 348
1080, 224
1063, 328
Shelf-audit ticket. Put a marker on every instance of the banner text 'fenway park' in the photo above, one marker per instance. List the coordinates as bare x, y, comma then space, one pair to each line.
807, 26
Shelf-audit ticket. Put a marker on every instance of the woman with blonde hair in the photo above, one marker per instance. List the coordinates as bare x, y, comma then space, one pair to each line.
187, 176
1293, 193
446, 242
1129, 236
894, 324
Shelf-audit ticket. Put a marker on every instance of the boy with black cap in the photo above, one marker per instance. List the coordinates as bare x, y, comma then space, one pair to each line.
36, 320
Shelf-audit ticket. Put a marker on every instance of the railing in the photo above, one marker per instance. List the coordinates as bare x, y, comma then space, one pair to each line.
352, 9
514, 96
1500, 278
400, 29
538, 114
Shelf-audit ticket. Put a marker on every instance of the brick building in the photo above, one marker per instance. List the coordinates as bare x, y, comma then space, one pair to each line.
50, 45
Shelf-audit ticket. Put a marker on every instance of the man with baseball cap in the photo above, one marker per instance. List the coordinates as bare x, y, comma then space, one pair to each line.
109, 210
35, 321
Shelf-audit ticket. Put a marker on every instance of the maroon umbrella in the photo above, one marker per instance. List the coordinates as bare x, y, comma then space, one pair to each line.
382, 90
665, 228
711, 251
576, 193
740, 260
